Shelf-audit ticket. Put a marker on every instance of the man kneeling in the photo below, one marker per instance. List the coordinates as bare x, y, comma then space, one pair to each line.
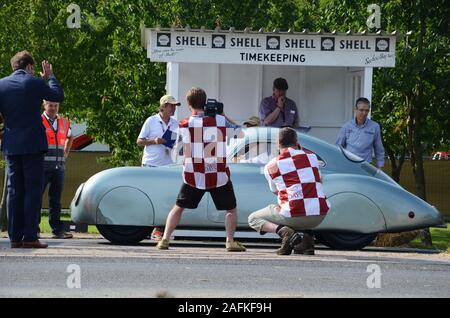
302, 205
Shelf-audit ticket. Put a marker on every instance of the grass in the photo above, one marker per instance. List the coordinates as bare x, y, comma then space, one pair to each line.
440, 238
45, 227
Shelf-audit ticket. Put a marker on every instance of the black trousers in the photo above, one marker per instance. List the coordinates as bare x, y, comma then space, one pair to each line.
55, 179
24, 200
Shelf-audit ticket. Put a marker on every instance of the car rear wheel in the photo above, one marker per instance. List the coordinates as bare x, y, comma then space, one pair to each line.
345, 241
124, 234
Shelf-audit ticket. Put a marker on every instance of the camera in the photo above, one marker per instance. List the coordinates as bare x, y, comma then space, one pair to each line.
213, 107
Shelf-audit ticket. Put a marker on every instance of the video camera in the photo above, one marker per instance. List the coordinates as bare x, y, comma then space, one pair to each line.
213, 107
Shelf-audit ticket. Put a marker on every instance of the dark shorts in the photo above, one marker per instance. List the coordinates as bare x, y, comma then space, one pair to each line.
223, 197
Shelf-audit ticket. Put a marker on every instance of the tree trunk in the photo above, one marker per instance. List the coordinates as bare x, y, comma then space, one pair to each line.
396, 165
416, 106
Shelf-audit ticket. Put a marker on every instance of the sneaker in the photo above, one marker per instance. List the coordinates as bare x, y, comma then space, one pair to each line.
306, 247
156, 234
234, 246
163, 244
63, 235
289, 238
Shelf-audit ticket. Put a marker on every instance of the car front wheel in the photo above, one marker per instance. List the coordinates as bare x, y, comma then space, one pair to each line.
345, 241
124, 234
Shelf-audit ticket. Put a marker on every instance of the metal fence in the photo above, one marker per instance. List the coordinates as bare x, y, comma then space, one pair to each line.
437, 182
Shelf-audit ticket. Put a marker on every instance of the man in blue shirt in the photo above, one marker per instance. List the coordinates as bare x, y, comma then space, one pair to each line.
362, 135
278, 110
24, 144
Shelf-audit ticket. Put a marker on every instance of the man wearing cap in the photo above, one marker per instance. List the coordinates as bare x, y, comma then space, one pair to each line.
153, 135
253, 121
278, 110
158, 133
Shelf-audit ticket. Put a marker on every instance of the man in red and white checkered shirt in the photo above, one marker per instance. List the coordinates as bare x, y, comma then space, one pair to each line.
205, 168
295, 177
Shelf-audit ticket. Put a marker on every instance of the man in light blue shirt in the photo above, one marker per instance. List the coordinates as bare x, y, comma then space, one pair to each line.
362, 135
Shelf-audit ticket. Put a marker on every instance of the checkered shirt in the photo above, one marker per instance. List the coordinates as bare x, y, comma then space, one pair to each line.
296, 176
205, 155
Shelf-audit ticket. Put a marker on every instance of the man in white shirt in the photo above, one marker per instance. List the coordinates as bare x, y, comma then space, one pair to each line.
159, 133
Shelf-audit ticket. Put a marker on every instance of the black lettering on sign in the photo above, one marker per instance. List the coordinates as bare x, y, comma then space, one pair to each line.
273, 57
245, 42
184, 40
299, 44
354, 45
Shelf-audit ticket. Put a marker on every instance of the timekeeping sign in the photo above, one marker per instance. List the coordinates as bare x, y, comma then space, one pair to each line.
272, 48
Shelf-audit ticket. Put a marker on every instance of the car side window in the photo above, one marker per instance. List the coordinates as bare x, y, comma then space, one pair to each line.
257, 152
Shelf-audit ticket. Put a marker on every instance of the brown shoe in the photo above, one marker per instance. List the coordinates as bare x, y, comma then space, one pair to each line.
35, 244
16, 244
306, 247
289, 238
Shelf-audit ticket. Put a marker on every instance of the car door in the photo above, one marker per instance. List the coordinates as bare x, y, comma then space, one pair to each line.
250, 186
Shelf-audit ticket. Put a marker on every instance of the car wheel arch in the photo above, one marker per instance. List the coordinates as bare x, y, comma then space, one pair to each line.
116, 199
341, 217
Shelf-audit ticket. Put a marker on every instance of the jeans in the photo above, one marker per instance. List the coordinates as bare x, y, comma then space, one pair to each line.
55, 178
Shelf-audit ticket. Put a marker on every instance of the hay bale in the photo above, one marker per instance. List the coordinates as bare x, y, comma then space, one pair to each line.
395, 239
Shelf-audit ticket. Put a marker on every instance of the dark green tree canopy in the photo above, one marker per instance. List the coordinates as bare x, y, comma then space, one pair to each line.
111, 85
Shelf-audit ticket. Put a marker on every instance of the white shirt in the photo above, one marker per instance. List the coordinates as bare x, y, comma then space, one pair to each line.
155, 127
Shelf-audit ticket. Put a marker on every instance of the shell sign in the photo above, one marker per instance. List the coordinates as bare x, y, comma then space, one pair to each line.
271, 48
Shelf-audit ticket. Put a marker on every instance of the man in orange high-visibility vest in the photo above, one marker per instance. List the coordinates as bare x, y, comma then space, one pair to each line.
59, 138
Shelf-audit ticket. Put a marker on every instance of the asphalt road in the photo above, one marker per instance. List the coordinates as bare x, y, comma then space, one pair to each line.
204, 269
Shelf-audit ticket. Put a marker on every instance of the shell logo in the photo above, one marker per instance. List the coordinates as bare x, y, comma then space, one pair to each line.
163, 40
218, 41
382, 45
327, 44
273, 43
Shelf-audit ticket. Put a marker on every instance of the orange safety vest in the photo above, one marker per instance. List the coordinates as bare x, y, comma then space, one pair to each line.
56, 140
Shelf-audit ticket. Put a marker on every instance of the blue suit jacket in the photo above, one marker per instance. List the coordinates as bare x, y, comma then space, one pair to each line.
21, 96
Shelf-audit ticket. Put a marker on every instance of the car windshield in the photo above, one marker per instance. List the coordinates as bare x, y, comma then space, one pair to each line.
256, 145
259, 152
351, 156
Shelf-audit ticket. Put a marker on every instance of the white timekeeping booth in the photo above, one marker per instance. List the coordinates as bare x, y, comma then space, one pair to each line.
326, 72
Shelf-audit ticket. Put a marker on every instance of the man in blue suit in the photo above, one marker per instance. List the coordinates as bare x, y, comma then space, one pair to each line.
24, 144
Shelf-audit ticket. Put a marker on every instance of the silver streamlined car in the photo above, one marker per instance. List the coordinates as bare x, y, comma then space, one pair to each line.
125, 203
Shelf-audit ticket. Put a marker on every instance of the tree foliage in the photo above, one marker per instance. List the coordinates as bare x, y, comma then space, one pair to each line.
110, 83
